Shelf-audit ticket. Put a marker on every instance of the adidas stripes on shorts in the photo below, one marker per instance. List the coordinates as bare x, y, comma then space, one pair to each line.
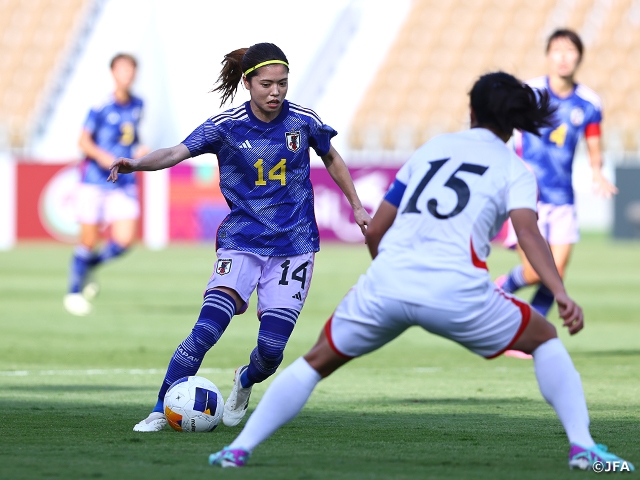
282, 282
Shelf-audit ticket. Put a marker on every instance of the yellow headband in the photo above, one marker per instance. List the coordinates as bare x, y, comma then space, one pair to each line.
268, 62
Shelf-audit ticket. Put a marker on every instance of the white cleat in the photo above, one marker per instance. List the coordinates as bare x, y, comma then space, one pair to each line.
238, 401
76, 304
155, 422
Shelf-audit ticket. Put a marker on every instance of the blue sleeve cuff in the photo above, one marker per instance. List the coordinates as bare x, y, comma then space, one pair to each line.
395, 193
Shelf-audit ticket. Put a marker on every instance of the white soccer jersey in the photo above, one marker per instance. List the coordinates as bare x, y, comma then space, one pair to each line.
460, 188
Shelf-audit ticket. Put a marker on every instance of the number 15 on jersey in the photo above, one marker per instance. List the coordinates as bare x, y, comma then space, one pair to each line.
458, 185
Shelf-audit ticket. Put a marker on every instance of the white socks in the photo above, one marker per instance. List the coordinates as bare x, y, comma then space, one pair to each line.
282, 401
560, 385
558, 379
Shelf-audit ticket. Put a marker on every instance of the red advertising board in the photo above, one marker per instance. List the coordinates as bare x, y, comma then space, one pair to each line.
45, 201
333, 212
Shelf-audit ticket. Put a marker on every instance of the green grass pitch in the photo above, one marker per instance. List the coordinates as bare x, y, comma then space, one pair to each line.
71, 389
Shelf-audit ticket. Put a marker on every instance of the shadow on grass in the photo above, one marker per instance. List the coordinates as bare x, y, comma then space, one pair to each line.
607, 353
83, 440
462, 401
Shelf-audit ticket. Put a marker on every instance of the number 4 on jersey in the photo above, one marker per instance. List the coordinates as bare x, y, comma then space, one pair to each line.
454, 183
559, 135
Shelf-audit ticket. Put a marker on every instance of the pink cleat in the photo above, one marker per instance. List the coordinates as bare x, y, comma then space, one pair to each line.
500, 281
518, 354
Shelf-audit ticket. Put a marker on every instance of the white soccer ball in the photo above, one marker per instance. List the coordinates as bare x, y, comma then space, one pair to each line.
193, 404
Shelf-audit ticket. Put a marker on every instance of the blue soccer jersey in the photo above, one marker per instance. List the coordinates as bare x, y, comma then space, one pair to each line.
264, 176
114, 128
551, 155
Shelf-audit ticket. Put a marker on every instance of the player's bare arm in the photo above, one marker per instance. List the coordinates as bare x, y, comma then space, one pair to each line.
536, 248
92, 150
601, 185
340, 174
156, 160
381, 222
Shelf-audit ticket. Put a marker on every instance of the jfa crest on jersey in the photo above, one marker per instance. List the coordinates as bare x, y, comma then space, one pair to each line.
264, 176
293, 141
223, 266
114, 128
551, 155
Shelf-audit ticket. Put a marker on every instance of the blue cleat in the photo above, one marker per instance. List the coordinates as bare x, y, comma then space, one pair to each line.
230, 457
598, 459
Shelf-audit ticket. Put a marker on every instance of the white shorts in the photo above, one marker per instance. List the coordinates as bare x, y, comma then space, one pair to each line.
364, 322
283, 282
558, 224
96, 205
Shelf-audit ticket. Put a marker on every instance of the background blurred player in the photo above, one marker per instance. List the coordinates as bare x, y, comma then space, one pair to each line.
269, 239
110, 131
551, 155
434, 228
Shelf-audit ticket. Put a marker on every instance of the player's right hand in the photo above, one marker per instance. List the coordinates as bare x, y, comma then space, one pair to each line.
121, 165
571, 313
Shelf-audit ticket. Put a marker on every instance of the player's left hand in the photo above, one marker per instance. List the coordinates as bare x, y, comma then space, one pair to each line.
362, 218
571, 313
121, 165
601, 186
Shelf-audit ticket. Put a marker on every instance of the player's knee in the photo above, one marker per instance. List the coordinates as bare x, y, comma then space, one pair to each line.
89, 241
542, 334
241, 305
547, 332
530, 276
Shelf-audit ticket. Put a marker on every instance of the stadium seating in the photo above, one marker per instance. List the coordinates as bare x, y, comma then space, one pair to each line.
444, 46
33, 37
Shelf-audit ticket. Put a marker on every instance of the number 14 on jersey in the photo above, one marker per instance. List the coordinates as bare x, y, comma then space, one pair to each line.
276, 173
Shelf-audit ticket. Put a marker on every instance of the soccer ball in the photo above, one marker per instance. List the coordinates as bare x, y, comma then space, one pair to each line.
193, 404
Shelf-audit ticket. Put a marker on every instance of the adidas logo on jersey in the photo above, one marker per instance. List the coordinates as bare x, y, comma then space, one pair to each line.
245, 144
297, 296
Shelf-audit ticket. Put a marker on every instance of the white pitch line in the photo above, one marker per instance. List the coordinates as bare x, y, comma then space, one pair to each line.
115, 371
158, 371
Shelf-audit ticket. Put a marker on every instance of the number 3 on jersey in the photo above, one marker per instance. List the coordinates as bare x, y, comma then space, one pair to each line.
454, 183
276, 173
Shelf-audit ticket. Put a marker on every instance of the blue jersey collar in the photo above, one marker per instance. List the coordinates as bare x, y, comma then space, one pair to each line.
556, 97
276, 121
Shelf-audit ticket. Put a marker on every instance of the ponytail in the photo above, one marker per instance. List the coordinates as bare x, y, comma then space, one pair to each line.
230, 75
502, 101
248, 60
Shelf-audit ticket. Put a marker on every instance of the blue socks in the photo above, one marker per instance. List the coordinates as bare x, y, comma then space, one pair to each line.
217, 310
515, 280
543, 300
276, 325
110, 251
79, 268
84, 260
159, 406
